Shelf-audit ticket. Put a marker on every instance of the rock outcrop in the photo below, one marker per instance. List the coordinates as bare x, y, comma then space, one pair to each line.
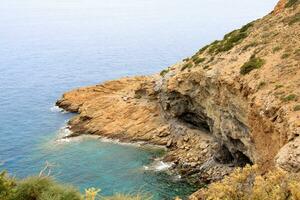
235, 102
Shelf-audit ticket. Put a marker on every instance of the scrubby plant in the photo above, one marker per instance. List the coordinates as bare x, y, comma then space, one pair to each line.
277, 48
251, 64
206, 67
249, 184
6, 186
291, 3
230, 40
296, 107
294, 19
44, 188
278, 86
285, 55
203, 49
297, 52
289, 97
164, 72
252, 44
190, 64
261, 84
198, 60
247, 26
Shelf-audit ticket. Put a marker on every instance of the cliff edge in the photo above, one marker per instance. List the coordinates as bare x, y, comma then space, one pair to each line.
235, 102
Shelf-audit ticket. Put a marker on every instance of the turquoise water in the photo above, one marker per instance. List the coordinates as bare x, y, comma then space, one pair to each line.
48, 47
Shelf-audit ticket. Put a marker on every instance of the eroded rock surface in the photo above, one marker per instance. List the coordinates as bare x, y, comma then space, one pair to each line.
234, 102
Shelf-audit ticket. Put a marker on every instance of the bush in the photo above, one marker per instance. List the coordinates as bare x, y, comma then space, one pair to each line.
230, 40
289, 97
164, 72
296, 107
253, 63
275, 49
187, 65
278, 86
249, 184
203, 49
294, 19
284, 56
6, 186
291, 3
44, 188
253, 44
198, 60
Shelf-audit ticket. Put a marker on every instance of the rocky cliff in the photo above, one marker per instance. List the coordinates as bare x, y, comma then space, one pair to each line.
235, 102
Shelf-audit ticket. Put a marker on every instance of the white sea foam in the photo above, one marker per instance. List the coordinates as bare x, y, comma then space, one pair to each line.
116, 141
57, 109
62, 135
159, 165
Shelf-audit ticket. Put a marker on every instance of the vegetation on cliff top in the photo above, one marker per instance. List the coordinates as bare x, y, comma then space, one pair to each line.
249, 184
291, 3
251, 64
230, 40
45, 188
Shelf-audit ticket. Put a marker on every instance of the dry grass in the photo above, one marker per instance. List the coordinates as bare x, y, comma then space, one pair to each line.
249, 184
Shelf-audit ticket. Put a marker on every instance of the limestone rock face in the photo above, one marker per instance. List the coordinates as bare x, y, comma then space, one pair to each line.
128, 110
234, 102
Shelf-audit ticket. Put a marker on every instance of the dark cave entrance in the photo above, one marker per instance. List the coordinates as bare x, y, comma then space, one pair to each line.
196, 120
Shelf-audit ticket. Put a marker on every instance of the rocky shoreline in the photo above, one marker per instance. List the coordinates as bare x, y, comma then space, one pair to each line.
235, 102
136, 116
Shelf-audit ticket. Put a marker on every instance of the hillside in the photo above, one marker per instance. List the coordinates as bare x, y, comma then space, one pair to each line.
235, 102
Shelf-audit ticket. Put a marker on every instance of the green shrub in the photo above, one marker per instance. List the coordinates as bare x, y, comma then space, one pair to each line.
289, 97
275, 49
261, 84
198, 60
296, 107
249, 184
253, 63
203, 49
253, 44
44, 188
294, 19
6, 186
206, 67
247, 26
278, 86
285, 55
164, 72
230, 40
291, 3
187, 65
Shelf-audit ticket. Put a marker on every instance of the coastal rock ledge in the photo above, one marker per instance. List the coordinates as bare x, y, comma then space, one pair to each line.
235, 102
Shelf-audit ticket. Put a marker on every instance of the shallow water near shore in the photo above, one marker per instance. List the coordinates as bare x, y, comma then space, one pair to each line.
49, 47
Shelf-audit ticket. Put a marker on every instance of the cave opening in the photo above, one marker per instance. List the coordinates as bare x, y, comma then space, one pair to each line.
241, 159
236, 158
196, 120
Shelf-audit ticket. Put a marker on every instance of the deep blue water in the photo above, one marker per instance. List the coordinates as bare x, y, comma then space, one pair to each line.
50, 46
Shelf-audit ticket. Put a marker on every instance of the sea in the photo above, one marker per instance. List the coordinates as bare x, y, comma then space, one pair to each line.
48, 47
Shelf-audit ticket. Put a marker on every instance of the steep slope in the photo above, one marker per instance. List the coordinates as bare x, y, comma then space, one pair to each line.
236, 101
